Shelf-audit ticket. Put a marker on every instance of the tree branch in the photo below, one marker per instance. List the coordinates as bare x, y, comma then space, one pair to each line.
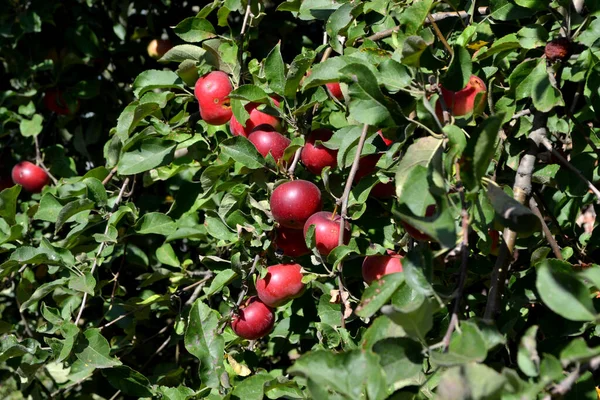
39, 161
534, 207
521, 189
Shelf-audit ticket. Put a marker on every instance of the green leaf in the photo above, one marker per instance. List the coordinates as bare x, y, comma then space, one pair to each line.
8, 203
317, 9
562, 292
222, 279
275, 70
71, 209
481, 147
11, 347
472, 381
416, 318
412, 49
249, 93
216, 228
194, 29
93, 350
183, 52
32, 127
166, 255
460, 69
155, 79
378, 294
511, 213
241, 150
505, 10
466, 345
253, 387
354, 374
527, 357
145, 155
155, 223
577, 351
400, 358
297, 72
204, 342
128, 381
394, 76
83, 283
131, 117
176, 393
43, 291
413, 16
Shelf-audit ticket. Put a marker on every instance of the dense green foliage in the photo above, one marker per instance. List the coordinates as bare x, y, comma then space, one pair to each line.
121, 278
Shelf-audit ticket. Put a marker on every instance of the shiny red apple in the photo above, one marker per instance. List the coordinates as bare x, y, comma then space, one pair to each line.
212, 92
30, 176
293, 202
291, 242
316, 157
254, 320
374, 267
327, 231
268, 140
282, 283
256, 118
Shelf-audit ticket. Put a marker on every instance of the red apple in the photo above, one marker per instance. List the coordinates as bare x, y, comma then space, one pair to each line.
256, 118
388, 142
558, 49
54, 100
335, 90
291, 242
316, 157
414, 232
159, 47
366, 166
374, 267
462, 102
327, 231
30, 176
212, 92
282, 283
293, 202
268, 140
254, 320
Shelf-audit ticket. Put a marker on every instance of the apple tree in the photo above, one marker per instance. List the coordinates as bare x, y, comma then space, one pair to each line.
326, 199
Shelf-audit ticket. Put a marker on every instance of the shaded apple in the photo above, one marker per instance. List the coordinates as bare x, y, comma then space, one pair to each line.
254, 320
291, 242
462, 102
212, 92
414, 232
366, 167
292, 203
374, 267
282, 283
256, 118
316, 157
327, 231
268, 140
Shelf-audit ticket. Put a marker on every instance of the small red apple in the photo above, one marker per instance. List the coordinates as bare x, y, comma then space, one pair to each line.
282, 283
54, 100
414, 232
293, 202
268, 140
159, 47
291, 242
254, 320
366, 166
335, 90
374, 267
327, 231
462, 102
316, 157
212, 92
256, 118
30, 176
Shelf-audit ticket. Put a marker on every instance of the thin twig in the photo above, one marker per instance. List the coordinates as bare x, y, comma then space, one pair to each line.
464, 250
245, 22
109, 176
534, 207
522, 113
39, 161
102, 245
27, 330
244, 290
343, 202
439, 34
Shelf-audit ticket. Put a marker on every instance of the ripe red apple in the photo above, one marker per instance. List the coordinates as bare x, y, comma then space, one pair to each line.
374, 267
462, 102
256, 118
282, 283
54, 100
293, 202
291, 242
327, 231
414, 232
254, 320
159, 47
366, 166
335, 90
30, 176
212, 92
268, 140
316, 157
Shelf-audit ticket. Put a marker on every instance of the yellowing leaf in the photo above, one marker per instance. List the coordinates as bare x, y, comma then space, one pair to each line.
477, 45
239, 369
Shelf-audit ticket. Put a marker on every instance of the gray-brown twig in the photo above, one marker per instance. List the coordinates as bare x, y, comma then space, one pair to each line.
549, 237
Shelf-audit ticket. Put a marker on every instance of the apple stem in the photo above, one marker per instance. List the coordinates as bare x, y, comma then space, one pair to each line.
102, 245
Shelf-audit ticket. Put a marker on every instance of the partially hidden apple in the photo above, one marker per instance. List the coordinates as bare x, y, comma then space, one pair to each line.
335, 90
282, 283
316, 157
212, 92
366, 166
327, 231
256, 118
291, 242
159, 47
374, 267
55, 101
463, 102
30, 176
414, 232
268, 140
292, 203
254, 320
